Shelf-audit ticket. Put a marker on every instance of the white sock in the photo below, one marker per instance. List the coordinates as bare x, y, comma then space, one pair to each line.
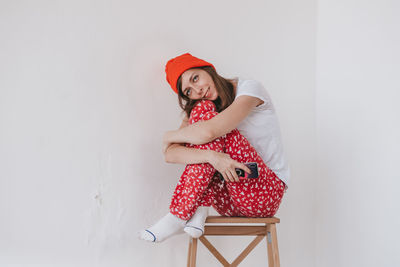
195, 226
167, 226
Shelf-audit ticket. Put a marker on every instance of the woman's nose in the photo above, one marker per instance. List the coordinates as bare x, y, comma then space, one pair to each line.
199, 90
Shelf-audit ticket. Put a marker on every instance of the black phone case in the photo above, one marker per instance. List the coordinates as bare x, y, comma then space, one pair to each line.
253, 168
244, 175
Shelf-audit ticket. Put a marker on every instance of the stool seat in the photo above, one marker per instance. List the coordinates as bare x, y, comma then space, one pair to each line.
224, 219
223, 226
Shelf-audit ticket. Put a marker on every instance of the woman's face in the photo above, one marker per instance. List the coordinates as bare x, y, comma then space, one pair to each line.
198, 84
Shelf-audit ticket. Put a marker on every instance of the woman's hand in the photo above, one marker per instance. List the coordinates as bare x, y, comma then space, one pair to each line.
226, 166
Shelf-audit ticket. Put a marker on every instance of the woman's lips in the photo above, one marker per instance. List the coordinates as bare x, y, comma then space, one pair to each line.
207, 94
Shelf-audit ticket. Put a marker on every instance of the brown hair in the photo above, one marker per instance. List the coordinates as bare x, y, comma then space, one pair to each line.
224, 88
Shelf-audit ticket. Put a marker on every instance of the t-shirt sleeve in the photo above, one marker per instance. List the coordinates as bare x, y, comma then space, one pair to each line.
256, 89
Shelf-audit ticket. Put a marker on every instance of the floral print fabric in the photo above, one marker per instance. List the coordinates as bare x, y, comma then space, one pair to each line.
200, 186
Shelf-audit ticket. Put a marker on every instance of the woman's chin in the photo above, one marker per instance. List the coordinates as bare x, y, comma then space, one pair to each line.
213, 98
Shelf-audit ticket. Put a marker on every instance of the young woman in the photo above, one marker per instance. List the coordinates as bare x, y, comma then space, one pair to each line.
228, 122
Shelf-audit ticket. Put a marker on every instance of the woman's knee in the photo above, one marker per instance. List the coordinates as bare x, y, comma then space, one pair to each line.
203, 110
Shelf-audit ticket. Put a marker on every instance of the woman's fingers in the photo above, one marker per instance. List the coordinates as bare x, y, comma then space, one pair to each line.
228, 176
234, 175
244, 167
225, 177
227, 167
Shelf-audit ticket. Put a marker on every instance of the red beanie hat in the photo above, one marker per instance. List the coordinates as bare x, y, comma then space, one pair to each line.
178, 65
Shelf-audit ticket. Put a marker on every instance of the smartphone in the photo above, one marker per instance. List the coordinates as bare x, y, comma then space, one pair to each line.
244, 175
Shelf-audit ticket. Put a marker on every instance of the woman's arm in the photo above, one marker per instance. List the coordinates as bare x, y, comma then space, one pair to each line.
205, 131
179, 153
222, 162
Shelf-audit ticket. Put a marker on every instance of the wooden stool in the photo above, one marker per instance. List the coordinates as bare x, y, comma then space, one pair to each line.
268, 230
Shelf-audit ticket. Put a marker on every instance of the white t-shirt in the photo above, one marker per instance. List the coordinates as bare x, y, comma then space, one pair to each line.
261, 128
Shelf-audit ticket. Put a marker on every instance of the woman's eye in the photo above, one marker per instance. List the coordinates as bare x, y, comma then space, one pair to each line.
188, 92
195, 78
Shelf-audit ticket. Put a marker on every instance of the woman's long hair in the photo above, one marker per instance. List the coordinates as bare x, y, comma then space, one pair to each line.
224, 88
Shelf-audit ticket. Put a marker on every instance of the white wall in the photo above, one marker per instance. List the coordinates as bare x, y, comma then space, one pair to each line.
358, 129
84, 104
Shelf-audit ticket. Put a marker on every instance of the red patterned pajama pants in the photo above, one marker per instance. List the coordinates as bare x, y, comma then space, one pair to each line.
198, 185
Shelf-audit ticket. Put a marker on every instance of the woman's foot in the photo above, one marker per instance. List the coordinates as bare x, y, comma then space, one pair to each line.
195, 226
167, 226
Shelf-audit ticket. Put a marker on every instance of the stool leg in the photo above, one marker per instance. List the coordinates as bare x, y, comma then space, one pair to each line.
194, 252
272, 244
189, 252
